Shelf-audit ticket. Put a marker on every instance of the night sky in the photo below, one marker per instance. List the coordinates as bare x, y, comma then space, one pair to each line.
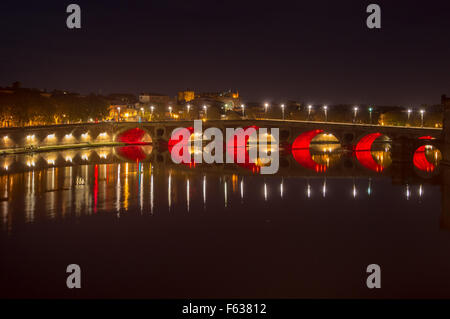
312, 51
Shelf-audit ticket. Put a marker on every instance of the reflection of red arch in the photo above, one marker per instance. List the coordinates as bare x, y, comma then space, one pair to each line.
303, 157
367, 160
132, 152
426, 137
132, 136
233, 150
301, 153
421, 162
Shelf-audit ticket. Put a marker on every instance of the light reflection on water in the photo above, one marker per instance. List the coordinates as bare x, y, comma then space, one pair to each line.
155, 220
87, 185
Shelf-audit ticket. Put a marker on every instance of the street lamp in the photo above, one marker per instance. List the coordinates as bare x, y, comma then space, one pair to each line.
188, 107
282, 110
421, 115
409, 113
266, 105
118, 113
355, 109
170, 111
243, 110
142, 111
325, 109
309, 111
206, 111
152, 108
370, 114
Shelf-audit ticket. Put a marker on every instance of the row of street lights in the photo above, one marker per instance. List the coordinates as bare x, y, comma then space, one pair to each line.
310, 107
355, 112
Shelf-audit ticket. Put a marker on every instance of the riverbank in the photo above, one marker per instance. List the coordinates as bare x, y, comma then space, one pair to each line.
48, 148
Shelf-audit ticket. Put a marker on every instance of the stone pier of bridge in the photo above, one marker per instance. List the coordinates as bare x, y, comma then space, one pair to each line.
445, 185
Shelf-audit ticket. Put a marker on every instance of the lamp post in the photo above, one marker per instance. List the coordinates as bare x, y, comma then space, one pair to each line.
370, 114
170, 111
325, 109
266, 105
309, 111
142, 112
118, 114
409, 114
152, 108
206, 111
188, 107
355, 110
422, 112
243, 110
282, 110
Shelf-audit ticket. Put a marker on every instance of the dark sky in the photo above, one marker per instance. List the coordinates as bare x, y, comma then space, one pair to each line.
313, 51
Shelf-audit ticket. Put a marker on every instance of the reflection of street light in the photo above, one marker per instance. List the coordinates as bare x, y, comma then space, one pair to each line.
355, 109
370, 114
282, 110
243, 110
421, 115
325, 109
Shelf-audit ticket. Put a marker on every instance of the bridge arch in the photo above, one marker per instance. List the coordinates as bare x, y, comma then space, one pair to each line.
303, 145
136, 136
179, 156
375, 160
426, 158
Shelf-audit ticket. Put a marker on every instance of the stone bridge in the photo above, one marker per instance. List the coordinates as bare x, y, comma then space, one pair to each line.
404, 139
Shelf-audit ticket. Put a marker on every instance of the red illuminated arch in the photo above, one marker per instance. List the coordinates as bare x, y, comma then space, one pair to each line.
365, 143
179, 156
134, 136
421, 162
301, 153
363, 152
303, 141
426, 137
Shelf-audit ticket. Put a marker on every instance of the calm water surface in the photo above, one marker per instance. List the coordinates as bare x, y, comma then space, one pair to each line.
146, 228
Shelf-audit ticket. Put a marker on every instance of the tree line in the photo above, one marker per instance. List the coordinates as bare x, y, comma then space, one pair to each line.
27, 107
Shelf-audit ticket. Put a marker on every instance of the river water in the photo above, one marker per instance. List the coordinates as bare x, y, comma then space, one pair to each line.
144, 228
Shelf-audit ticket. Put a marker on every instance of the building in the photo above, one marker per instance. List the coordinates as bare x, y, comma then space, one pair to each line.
154, 99
228, 99
186, 96
123, 111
